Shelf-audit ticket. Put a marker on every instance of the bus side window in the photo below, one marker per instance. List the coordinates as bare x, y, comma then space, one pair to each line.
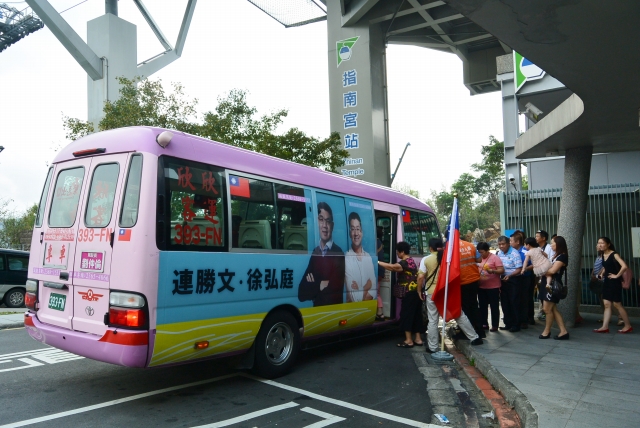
411, 231
253, 212
129, 210
428, 229
292, 218
197, 206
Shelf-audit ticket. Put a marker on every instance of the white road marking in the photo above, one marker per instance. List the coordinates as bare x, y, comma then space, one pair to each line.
329, 419
112, 402
29, 363
249, 416
46, 355
340, 403
333, 401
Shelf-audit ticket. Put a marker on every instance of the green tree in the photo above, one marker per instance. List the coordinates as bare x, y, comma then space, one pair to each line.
13, 226
478, 195
234, 122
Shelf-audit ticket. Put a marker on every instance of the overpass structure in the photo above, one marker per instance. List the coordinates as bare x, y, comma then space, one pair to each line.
16, 24
583, 45
111, 49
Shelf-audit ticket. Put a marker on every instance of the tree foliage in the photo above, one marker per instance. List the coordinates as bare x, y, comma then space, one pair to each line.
234, 122
478, 195
14, 225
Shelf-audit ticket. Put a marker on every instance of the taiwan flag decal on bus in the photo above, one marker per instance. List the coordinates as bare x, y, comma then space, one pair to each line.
239, 186
124, 235
406, 217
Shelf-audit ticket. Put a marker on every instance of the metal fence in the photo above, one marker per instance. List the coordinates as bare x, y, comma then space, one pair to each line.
612, 211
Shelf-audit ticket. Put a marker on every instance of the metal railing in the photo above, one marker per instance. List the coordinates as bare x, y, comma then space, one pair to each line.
611, 211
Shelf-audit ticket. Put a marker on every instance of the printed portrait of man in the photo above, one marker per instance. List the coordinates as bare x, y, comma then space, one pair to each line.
323, 281
359, 273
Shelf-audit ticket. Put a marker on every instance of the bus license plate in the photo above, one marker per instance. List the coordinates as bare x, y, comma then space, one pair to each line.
57, 301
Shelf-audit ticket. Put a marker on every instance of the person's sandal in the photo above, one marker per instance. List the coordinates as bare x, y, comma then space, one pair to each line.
404, 345
380, 318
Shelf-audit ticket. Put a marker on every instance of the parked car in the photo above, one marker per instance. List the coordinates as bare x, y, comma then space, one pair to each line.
14, 266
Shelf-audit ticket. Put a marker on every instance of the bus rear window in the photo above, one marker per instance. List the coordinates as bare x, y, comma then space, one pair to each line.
66, 195
43, 198
101, 195
197, 206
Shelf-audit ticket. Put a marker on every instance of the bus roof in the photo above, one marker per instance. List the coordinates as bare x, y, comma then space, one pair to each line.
198, 149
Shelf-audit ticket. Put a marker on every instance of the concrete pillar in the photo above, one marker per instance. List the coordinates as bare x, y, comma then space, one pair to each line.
510, 123
357, 95
115, 41
571, 223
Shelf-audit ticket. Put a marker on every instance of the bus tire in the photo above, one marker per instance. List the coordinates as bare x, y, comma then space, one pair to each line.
277, 345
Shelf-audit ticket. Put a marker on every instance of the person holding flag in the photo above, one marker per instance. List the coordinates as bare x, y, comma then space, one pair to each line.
447, 295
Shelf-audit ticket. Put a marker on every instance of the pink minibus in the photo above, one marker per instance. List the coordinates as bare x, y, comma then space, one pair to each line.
153, 247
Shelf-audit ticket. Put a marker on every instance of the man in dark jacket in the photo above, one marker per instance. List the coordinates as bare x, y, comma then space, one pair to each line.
323, 281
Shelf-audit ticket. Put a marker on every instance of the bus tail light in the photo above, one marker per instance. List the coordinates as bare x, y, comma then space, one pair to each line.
30, 300
124, 317
31, 296
126, 300
127, 310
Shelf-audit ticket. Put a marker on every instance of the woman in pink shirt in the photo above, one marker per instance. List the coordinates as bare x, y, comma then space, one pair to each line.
489, 292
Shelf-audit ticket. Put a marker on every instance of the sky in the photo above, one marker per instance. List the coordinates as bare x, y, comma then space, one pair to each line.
235, 45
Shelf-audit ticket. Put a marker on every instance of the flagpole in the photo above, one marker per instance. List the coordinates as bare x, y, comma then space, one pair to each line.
443, 355
446, 292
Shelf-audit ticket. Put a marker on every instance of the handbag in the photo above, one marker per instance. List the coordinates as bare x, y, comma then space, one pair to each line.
558, 289
399, 291
595, 285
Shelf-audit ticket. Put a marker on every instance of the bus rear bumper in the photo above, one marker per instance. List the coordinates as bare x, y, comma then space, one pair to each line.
122, 347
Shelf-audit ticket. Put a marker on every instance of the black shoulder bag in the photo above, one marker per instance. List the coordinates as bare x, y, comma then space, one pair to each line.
558, 289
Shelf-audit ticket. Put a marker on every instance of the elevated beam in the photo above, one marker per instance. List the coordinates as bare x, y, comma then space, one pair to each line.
74, 44
154, 27
158, 62
357, 9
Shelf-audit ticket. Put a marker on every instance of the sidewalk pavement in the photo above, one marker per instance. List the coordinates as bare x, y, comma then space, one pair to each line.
591, 380
11, 318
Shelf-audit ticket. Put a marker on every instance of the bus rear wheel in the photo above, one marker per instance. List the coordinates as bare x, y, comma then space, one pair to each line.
277, 345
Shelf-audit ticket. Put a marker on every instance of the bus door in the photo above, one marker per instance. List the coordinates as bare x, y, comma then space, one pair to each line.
94, 245
387, 219
53, 245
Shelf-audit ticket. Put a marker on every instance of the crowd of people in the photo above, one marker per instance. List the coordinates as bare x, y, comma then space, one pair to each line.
506, 280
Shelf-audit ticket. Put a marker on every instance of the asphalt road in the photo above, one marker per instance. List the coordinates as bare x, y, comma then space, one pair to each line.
366, 382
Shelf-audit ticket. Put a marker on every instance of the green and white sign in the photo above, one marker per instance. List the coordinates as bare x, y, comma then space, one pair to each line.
344, 49
525, 71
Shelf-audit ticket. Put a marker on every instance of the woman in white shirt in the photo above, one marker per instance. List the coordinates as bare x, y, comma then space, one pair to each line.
360, 275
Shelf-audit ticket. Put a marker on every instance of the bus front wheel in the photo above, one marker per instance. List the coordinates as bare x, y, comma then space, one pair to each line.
277, 345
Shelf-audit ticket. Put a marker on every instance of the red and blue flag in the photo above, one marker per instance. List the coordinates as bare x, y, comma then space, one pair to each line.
450, 269
124, 235
239, 186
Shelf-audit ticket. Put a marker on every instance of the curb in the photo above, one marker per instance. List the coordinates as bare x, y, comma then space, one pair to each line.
12, 325
512, 395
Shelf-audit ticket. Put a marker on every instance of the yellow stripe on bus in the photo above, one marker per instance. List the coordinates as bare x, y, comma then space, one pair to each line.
175, 342
326, 319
